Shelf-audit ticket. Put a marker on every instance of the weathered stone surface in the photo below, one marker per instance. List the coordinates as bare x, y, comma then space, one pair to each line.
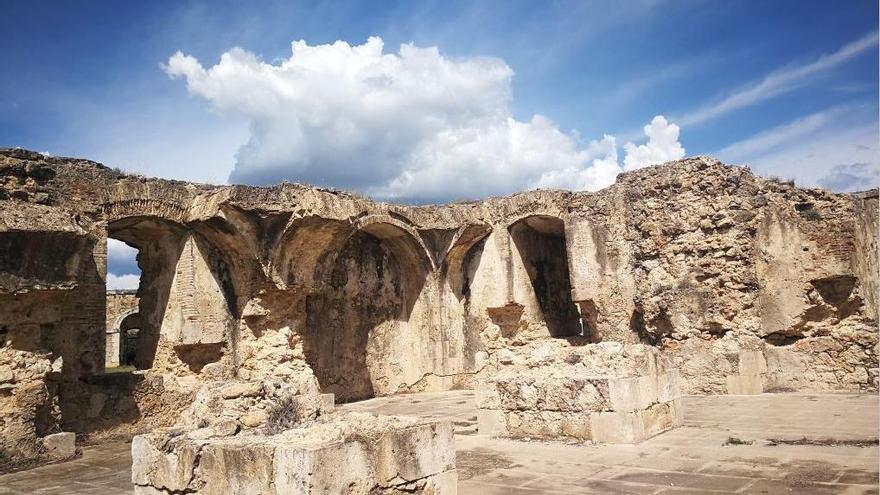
745, 283
352, 453
60, 445
122, 309
241, 389
601, 392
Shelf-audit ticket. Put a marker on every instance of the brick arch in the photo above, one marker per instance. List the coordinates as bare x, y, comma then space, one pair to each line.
401, 236
145, 207
117, 325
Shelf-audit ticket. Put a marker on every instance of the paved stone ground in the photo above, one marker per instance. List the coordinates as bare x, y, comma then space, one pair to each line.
101, 470
692, 459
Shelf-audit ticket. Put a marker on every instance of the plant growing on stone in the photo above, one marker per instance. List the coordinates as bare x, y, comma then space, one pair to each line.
737, 441
284, 415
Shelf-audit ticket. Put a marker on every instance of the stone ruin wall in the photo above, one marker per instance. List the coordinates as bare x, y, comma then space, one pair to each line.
746, 284
122, 309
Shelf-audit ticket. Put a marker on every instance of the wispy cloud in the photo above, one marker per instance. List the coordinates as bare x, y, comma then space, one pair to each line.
835, 148
767, 140
779, 82
851, 177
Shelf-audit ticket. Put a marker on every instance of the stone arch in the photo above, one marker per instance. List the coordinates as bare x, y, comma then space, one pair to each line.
181, 272
128, 344
234, 258
353, 277
117, 325
455, 266
145, 207
303, 246
401, 236
539, 241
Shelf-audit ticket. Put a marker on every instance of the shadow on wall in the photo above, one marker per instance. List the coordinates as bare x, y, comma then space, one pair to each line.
540, 241
363, 279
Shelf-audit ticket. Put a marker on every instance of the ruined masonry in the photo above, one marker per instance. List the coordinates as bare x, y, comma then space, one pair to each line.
578, 316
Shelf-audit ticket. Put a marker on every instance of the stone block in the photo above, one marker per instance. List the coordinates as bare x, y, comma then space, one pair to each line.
162, 463
617, 427
487, 396
546, 424
235, 390
298, 469
745, 384
326, 403
573, 395
491, 422
254, 419
60, 445
657, 419
445, 483
355, 453
226, 428
633, 394
415, 452
668, 386
677, 412
752, 363
577, 425
633, 427
629, 390
236, 467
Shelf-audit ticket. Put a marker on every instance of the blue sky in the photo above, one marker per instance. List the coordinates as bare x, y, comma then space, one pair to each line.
789, 88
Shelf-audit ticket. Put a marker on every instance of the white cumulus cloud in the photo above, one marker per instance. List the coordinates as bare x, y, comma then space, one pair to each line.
412, 125
122, 268
128, 281
662, 145
120, 252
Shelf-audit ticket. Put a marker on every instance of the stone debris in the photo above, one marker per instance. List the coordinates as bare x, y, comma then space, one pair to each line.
60, 446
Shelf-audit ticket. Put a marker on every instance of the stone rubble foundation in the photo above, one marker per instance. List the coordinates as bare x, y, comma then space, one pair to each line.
607, 393
354, 453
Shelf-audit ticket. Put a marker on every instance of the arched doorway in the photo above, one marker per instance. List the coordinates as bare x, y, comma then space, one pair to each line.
129, 328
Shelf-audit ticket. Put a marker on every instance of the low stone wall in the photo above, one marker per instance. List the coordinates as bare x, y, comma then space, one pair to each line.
602, 392
354, 453
284, 437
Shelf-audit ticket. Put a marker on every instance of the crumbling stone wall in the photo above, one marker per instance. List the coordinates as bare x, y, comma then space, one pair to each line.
746, 284
720, 264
